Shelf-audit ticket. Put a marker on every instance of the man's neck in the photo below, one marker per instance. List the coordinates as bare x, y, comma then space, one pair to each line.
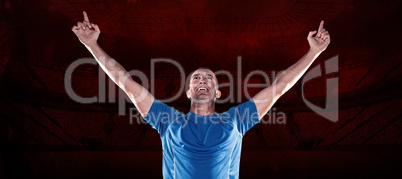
207, 108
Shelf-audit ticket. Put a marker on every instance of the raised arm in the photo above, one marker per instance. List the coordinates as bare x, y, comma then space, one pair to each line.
88, 34
268, 96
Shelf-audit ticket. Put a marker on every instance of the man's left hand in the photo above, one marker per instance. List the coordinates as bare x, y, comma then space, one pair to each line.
321, 40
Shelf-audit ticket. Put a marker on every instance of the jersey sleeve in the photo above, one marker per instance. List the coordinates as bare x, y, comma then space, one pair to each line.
245, 116
160, 116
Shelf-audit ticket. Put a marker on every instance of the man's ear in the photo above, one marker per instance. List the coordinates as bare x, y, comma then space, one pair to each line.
188, 94
218, 94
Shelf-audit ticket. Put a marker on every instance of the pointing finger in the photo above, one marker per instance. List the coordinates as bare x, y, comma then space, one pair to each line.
85, 16
86, 19
321, 26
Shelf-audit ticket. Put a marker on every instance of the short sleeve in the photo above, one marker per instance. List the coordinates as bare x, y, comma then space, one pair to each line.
245, 116
160, 116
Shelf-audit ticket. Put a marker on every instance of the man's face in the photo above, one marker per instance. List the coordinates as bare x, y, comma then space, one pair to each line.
203, 86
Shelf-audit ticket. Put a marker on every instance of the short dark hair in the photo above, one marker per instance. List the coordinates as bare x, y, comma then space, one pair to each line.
201, 68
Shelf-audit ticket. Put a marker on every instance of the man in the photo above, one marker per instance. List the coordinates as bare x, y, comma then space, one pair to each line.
201, 143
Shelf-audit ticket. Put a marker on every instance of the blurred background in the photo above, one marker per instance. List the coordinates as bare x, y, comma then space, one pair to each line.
46, 134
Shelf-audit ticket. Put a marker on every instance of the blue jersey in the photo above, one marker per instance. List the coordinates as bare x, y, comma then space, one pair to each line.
202, 146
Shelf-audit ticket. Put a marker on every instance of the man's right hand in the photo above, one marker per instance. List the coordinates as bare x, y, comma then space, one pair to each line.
87, 33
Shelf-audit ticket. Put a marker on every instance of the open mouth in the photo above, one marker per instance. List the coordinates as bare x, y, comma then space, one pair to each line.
202, 89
